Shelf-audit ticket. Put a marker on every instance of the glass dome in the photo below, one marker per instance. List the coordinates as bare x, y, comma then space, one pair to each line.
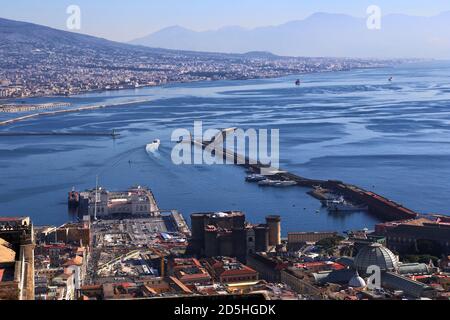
375, 255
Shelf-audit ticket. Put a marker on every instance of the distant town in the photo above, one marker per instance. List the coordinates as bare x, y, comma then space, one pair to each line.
41, 73
61, 63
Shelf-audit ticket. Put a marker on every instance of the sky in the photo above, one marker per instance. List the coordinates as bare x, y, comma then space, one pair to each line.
121, 20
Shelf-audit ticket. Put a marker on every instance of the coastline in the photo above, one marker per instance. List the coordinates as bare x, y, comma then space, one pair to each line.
168, 83
50, 113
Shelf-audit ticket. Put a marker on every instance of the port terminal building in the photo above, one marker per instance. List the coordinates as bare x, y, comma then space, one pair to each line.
136, 201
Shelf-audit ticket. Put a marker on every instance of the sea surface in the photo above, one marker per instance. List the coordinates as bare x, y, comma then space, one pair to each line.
356, 126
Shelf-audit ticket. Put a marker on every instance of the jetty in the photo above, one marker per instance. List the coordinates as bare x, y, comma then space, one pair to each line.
57, 112
13, 108
112, 133
377, 205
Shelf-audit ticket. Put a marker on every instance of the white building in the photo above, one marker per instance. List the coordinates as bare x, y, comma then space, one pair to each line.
135, 201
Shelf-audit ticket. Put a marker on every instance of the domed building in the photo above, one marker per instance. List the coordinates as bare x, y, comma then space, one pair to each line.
375, 255
356, 281
395, 276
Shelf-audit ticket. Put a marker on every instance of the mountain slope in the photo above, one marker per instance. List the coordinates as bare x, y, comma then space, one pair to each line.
29, 36
321, 34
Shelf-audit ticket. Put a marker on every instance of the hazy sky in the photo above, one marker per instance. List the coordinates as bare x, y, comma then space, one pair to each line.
126, 20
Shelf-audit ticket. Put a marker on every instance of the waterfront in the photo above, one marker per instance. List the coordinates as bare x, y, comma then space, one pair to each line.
388, 137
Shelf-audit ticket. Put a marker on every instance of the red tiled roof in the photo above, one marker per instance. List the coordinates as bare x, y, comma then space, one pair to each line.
244, 270
77, 261
127, 284
92, 286
237, 272
192, 277
7, 219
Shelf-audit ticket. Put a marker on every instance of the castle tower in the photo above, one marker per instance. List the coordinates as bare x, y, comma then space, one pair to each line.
274, 224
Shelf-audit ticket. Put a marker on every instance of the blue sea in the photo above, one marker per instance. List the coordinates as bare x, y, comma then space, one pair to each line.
356, 126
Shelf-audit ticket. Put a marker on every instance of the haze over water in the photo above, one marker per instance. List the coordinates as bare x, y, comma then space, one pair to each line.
354, 126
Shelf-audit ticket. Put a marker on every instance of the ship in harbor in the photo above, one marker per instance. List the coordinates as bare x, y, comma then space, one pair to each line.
276, 183
263, 181
255, 178
342, 205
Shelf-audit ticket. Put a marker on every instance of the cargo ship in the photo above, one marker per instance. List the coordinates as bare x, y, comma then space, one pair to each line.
341, 205
276, 183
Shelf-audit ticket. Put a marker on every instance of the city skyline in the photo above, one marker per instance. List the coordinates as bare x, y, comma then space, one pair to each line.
125, 22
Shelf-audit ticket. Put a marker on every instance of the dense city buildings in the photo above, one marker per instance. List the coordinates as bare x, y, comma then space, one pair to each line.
153, 254
61, 260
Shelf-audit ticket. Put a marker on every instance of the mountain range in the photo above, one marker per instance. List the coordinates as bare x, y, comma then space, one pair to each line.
321, 34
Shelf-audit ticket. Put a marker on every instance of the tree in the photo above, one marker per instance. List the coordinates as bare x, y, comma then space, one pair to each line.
329, 243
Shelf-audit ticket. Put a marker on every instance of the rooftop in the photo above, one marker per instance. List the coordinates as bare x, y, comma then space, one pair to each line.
6, 253
225, 266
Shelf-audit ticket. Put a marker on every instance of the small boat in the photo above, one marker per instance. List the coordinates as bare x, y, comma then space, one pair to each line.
255, 178
276, 183
285, 184
267, 183
298, 82
391, 78
154, 146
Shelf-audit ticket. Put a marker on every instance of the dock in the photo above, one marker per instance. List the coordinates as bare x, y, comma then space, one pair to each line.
57, 112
